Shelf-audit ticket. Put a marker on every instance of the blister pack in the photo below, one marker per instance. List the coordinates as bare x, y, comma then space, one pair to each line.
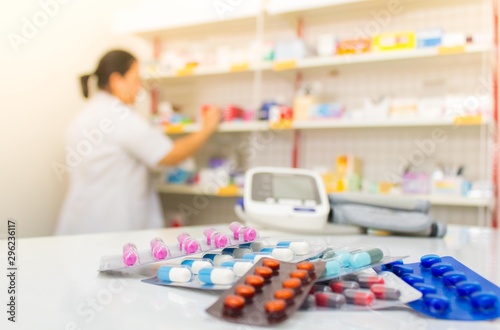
186, 245
361, 291
229, 264
288, 251
450, 289
269, 293
346, 260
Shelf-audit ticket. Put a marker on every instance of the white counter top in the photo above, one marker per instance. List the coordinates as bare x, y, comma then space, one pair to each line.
59, 286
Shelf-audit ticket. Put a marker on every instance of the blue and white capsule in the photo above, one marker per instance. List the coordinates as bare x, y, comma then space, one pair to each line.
281, 254
300, 248
197, 264
254, 257
255, 246
177, 274
218, 259
216, 276
236, 252
239, 266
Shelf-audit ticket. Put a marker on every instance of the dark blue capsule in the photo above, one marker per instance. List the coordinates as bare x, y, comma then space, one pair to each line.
390, 265
483, 301
440, 268
411, 279
465, 289
425, 288
436, 304
429, 259
399, 270
453, 277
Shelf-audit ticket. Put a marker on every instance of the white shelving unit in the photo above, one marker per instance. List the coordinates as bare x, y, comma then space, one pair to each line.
254, 126
326, 62
459, 201
347, 77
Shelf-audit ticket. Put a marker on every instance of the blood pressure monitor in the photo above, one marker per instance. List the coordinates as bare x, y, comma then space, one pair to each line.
285, 198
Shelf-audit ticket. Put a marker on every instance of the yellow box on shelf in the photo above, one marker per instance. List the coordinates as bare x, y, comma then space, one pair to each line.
448, 50
390, 41
282, 124
187, 70
238, 67
284, 65
175, 128
229, 191
468, 120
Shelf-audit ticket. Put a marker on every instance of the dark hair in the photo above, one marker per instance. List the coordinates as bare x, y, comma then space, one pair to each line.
114, 61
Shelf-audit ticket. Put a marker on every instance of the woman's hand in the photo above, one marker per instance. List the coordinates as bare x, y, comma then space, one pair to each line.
211, 119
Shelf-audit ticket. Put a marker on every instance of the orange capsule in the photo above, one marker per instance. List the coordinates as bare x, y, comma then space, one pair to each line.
301, 274
275, 309
293, 283
255, 280
265, 272
245, 291
285, 294
271, 263
306, 265
233, 305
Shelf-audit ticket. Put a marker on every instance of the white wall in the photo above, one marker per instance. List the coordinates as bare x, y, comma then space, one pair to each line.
40, 94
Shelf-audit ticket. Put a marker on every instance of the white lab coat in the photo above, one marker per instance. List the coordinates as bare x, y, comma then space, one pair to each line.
110, 152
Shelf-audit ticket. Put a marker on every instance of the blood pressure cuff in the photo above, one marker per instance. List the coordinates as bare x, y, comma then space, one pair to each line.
410, 218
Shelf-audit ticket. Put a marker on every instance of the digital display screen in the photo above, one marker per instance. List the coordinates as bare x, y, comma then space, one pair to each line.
278, 186
293, 187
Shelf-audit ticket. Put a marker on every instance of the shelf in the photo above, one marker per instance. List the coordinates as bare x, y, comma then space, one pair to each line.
441, 200
255, 126
322, 62
159, 19
192, 190
387, 123
230, 127
456, 200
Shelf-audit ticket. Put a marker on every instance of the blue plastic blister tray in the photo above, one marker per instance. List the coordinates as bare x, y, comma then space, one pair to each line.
450, 289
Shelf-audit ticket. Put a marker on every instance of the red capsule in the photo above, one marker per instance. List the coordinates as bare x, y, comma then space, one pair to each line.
341, 286
328, 299
358, 297
366, 281
384, 292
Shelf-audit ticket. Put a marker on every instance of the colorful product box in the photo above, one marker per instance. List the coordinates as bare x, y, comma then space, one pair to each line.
394, 41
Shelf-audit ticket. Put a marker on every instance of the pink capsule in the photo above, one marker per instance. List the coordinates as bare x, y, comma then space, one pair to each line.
241, 232
188, 244
215, 238
130, 254
158, 248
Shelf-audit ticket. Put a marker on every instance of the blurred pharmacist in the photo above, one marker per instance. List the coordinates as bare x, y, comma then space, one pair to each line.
111, 188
